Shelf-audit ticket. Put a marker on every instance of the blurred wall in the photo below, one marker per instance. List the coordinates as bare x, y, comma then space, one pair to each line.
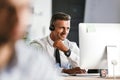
42, 10
102, 11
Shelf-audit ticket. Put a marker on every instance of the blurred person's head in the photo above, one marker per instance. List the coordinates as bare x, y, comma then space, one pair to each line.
60, 26
14, 16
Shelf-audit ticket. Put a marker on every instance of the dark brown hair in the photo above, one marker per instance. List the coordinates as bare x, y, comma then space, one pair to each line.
7, 20
59, 16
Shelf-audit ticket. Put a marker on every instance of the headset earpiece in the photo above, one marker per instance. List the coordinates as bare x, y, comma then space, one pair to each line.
52, 28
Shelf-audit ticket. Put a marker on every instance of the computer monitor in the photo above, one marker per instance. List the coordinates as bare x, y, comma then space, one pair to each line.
94, 38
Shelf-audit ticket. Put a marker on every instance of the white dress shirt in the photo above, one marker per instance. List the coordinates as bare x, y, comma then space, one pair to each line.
46, 44
29, 65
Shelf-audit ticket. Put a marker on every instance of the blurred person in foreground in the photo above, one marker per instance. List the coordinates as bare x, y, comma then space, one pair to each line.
19, 61
64, 53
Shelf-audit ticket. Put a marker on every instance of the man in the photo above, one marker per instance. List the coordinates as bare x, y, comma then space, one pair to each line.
62, 51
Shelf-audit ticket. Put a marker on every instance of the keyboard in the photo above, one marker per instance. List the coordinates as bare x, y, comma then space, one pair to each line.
88, 74
82, 75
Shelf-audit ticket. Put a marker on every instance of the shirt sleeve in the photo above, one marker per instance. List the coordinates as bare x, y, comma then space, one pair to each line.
74, 58
36, 45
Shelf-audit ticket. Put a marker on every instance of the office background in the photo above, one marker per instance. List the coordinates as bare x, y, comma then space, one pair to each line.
88, 11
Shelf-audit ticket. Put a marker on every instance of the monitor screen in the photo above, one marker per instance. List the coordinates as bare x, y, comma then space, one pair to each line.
94, 38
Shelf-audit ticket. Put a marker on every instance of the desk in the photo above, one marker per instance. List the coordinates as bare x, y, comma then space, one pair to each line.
86, 78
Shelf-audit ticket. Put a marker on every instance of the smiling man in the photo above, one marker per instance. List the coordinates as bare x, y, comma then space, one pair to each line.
64, 53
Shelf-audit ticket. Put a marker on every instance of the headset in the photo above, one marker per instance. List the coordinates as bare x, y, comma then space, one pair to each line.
52, 27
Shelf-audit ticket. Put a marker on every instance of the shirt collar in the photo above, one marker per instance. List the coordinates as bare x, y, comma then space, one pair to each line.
51, 42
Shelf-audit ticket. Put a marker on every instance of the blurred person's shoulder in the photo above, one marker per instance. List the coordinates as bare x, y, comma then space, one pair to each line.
24, 48
26, 54
35, 63
44, 65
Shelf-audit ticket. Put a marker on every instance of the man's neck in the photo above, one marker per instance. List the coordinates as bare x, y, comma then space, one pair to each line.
52, 37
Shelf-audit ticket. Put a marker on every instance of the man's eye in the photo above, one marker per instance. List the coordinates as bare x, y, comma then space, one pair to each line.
68, 28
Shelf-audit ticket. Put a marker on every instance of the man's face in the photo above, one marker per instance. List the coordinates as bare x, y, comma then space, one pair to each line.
62, 28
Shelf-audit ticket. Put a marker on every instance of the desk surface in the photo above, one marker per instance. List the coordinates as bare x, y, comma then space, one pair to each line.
86, 78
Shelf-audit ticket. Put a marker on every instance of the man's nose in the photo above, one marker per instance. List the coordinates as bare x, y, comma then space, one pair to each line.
66, 31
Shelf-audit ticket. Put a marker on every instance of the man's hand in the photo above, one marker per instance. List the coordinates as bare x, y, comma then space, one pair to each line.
60, 45
75, 70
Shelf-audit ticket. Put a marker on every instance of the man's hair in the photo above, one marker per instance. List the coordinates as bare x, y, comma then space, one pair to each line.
59, 16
